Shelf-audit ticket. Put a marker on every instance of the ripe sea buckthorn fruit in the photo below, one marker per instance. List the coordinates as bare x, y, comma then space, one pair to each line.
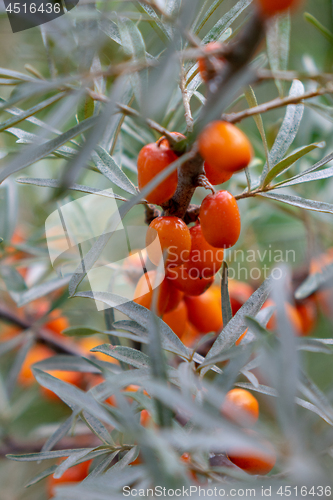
174, 239
203, 256
220, 219
204, 312
224, 147
293, 317
73, 378
272, 7
164, 141
168, 296
215, 64
254, 460
37, 353
215, 176
240, 406
190, 336
73, 475
57, 323
189, 281
239, 293
152, 160
307, 311
177, 319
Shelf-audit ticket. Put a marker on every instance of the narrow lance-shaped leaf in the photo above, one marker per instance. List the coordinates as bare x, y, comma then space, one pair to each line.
35, 153
284, 164
53, 183
142, 316
288, 129
319, 26
278, 40
68, 392
297, 201
314, 282
237, 325
226, 307
126, 354
109, 168
226, 20
313, 176
26, 114
252, 101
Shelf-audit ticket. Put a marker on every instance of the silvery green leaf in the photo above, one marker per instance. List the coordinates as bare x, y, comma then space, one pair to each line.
286, 163
126, 354
237, 325
297, 201
313, 176
38, 291
74, 395
226, 20
30, 112
278, 40
34, 153
53, 183
141, 315
109, 168
288, 129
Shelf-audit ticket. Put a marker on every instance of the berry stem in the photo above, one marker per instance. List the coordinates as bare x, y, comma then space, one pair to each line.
188, 176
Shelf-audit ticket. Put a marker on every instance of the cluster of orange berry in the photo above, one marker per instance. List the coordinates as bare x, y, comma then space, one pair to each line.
192, 256
242, 408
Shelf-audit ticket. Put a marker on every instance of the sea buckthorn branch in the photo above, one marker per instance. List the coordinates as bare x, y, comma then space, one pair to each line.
288, 75
188, 179
239, 55
186, 101
276, 103
42, 334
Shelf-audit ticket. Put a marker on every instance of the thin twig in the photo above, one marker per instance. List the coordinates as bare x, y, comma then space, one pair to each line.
42, 334
265, 74
274, 104
186, 101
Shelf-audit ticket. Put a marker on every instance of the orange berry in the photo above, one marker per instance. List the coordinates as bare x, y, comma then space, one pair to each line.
254, 460
208, 71
204, 312
220, 219
272, 7
73, 475
307, 311
164, 141
239, 293
174, 239
292, 314
203, 257
168, 297
224, 147
189, 281
215, 176
152, 160
73, 378
37, 353
7, 332
239, 340
240, 406
145, 418
190, 336
177, 318
89, 343
57, 323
